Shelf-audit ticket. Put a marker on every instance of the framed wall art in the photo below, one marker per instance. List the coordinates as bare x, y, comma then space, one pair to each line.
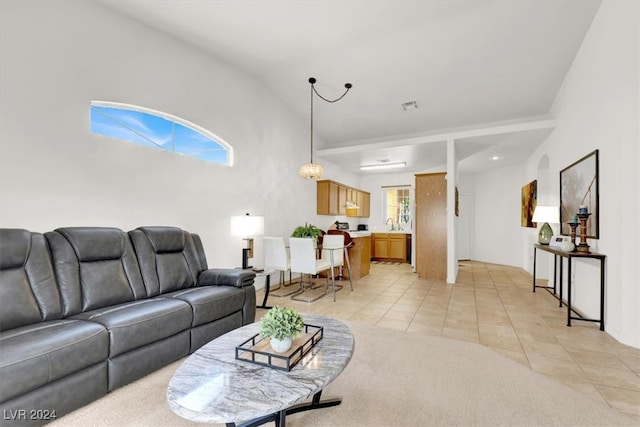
579, 187
457, 203
529, 201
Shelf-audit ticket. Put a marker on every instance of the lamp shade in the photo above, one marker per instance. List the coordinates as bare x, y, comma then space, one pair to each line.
247, 225
311, 171
548, 214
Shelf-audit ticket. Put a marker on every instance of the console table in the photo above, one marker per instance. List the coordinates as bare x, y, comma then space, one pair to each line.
570, 257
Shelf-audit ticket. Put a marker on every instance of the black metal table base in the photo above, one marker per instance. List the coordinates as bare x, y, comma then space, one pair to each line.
557, 253
280, 417
267, 288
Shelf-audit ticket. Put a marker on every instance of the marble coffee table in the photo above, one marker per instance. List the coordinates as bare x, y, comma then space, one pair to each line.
211, 386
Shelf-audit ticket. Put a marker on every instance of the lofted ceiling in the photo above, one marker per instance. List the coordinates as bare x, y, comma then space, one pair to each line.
483, 73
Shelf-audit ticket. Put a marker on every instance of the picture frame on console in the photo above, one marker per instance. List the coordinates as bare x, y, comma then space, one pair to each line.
579, 186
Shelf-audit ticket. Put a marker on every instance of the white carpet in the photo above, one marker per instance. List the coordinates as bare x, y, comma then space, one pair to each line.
396, 379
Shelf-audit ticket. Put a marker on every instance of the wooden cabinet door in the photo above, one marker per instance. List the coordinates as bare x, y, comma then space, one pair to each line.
333, 198
342, 200
322, 196
359, 199
366, 202
397, 246
380, 245
351, 200
431, 226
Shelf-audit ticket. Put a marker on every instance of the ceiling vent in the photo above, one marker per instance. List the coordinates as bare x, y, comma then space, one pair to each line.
411, 105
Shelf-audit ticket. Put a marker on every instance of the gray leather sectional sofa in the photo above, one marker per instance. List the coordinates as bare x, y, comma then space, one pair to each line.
85, 310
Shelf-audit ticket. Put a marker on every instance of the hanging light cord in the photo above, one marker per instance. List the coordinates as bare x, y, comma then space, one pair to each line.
312, 80
312, 90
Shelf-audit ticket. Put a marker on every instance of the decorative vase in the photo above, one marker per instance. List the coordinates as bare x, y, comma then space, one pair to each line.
280, 346
567, 246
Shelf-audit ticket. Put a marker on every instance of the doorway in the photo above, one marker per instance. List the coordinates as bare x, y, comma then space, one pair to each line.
464, 231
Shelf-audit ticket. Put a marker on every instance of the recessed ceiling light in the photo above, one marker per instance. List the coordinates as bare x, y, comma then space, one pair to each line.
495, 158
383, 166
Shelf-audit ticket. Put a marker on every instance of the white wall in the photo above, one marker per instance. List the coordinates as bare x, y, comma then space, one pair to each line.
59, 56
497, 216
597, 108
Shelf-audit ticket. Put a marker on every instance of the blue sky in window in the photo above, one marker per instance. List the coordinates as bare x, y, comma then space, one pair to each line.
155, 131
194, 144
130, 125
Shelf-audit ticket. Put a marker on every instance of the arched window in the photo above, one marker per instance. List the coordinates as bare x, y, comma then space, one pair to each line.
158, 130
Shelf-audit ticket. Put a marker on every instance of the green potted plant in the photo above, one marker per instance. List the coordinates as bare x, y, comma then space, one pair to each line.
307, 230
281, 325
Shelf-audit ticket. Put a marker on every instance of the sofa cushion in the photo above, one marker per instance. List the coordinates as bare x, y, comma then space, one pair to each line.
167, 257
15, 245
165, 239
95, 267
210, 303
35, 355
84, 242
27, 280
135, 324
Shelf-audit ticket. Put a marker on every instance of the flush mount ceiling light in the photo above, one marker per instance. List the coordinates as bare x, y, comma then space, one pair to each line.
313, 170
383, 166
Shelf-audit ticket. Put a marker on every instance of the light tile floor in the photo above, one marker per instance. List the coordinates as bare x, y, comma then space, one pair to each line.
492, 305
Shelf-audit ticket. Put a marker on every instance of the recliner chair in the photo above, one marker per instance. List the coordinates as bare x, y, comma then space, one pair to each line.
35, 370
171, 265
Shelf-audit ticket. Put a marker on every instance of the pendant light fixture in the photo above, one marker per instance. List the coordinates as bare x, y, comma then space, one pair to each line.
313, 170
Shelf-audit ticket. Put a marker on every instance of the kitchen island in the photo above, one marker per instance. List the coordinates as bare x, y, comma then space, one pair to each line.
360, 254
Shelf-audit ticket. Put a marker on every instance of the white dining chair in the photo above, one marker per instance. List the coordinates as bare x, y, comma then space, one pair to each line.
304, 261
276, 258
335, 250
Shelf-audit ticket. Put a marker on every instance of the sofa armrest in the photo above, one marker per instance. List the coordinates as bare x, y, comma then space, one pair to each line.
226, 277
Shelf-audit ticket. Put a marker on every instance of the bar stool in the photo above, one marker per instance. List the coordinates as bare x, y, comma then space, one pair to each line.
334, 249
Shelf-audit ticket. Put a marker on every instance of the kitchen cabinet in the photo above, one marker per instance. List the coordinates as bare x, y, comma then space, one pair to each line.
389, 246
334, 198
327, 198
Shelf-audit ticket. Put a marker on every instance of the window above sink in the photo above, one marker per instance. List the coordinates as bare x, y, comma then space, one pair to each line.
397, 208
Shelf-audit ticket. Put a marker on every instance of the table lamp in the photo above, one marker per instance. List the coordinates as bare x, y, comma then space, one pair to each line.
247, 226
546, 214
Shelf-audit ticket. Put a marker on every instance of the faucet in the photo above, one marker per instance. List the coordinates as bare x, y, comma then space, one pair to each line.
387, 223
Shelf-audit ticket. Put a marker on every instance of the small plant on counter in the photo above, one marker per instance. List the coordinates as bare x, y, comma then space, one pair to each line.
280, 323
